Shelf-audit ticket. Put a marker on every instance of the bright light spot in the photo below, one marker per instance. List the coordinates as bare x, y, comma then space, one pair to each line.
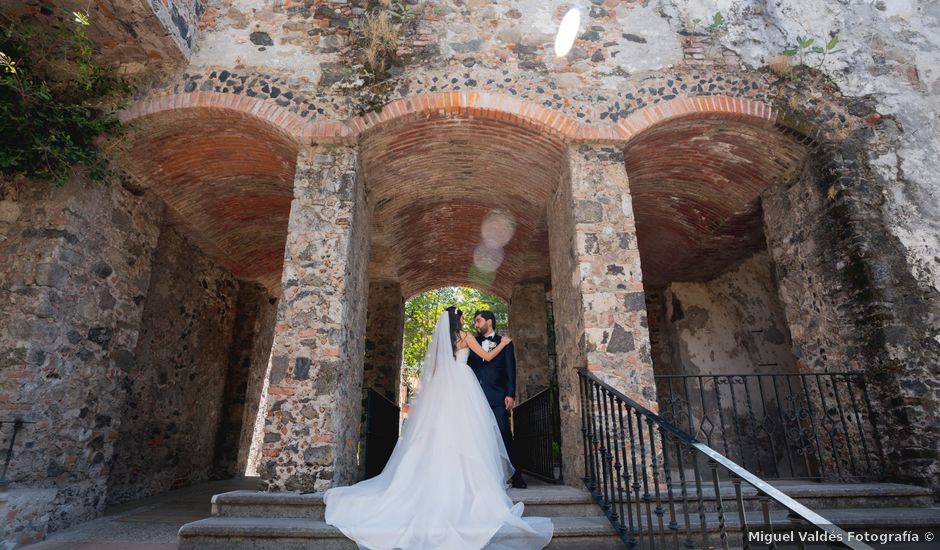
486, 258
567, 32
497, 228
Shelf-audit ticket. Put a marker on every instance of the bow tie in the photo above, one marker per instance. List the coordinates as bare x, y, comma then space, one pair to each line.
490, 338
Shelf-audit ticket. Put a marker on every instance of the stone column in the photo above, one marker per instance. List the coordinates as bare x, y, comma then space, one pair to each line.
529, 321
597, 289
313, 408
385, 327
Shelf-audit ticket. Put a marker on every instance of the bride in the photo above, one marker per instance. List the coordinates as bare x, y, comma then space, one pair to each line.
445, 484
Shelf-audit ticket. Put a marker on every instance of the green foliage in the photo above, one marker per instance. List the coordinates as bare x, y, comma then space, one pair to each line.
55, 101
806, 47
713, 33
422, 311
400, 12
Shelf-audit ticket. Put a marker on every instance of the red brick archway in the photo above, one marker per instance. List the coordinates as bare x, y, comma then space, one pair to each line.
224, 164
226, 178
471, 104
696, 180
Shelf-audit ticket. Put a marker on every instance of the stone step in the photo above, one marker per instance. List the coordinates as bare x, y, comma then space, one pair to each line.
812, 495
245, 533
545, 501
871, 521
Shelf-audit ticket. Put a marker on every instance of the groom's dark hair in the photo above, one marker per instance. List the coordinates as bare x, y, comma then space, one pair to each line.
487, 316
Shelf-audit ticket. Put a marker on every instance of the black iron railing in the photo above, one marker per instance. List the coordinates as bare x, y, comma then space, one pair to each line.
811, 426
648, 477
382, 417
9, 429
536, 441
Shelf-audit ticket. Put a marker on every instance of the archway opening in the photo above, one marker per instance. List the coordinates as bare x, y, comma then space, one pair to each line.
718, 329
460, 214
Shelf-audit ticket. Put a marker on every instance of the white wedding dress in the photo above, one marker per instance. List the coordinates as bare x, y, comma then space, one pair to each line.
444, 486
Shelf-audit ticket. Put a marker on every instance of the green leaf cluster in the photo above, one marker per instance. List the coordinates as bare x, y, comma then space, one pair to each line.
422, 311
713, 32
806, 47
55, 102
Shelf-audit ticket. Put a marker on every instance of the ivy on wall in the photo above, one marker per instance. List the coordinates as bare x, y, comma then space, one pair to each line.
56, 101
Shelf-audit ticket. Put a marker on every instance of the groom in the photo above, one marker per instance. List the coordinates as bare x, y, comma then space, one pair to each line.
498, 379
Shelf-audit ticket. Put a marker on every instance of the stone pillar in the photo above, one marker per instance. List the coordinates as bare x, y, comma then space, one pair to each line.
385, 327
597, 289
313, 407
529, 322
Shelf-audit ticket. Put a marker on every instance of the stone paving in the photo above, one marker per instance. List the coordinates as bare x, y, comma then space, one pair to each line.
145, 524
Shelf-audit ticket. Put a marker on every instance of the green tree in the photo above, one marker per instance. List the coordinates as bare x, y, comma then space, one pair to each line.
422, 311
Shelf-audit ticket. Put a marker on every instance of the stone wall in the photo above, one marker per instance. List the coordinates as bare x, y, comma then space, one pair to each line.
315, 385
852, 302
235, 427
733, 324
128, 33
76, 266
175, 386
529, 320
182, 19
569, 324
249, 449
385, 327
661, 343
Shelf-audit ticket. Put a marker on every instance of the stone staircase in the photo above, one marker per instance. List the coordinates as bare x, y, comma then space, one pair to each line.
876, 508
261, 521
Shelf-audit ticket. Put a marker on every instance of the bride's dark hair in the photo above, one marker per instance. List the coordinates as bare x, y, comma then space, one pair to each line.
454, 316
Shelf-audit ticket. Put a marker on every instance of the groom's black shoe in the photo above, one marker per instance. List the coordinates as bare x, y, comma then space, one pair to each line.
518, 483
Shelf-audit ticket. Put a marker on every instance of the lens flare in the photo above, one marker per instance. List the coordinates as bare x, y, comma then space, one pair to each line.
567, 32
486, 258
497, 228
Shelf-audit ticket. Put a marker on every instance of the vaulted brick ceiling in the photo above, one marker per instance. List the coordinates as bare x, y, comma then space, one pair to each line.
433, 181
227, 181
696, 184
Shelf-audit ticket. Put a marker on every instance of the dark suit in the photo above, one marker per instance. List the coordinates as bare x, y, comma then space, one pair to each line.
498, 380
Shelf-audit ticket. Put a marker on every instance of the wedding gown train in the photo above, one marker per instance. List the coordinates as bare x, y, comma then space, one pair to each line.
444, 486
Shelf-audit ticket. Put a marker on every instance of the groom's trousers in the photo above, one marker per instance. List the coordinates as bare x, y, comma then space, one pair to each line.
502, 420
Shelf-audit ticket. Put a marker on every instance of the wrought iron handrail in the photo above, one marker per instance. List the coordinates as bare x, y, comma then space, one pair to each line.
17, 426
627, 446
382, 417
801, 425
535, 434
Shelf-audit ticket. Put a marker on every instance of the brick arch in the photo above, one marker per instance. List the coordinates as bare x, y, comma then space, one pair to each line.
227, 186
499, 107
755, 113
490, 123
697, 167
433, 180
496, 107
415, 291
258, 109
